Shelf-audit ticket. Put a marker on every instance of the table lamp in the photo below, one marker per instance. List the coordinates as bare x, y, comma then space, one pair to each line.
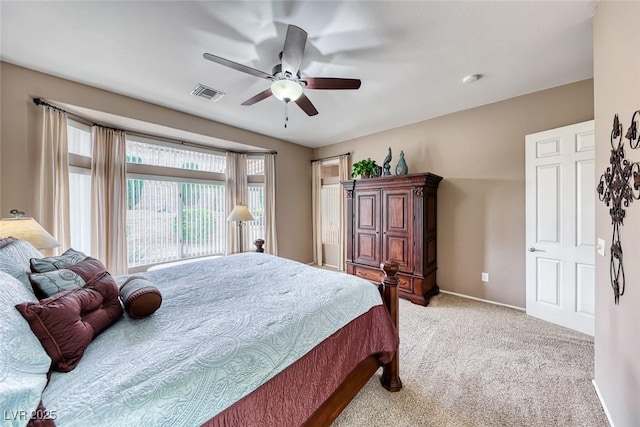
28, 229
240, 214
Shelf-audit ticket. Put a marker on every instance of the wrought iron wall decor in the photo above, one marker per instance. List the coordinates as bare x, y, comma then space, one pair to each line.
619, 186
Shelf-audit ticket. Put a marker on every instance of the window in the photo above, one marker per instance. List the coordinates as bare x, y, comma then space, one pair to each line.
170, 220
154, 153
330, 204
255, 176
176, 206
80, 148
175, 202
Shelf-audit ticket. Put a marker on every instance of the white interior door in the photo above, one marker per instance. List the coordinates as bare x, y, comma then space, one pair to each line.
560, 226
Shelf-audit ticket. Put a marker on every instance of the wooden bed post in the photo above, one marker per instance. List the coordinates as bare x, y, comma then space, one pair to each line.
258, 244
391, 371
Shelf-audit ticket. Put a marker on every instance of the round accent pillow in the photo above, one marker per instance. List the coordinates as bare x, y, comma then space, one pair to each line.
140, 297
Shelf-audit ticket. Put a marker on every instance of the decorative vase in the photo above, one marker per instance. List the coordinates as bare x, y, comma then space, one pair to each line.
401, 167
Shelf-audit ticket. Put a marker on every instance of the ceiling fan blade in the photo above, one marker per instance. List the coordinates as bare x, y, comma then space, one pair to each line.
306, 105
294, 44
237, 66
331, 83
259, 97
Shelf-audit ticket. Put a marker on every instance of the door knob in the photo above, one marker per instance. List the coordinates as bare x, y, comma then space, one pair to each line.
532, 249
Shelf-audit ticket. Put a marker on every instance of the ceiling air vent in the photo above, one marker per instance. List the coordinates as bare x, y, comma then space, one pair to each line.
207, 93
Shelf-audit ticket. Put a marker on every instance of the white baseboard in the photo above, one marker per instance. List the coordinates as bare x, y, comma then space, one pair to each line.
483, 300
604, 405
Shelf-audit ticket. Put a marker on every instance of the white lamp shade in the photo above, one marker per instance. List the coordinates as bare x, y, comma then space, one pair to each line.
240, 213
28, 229
286, 90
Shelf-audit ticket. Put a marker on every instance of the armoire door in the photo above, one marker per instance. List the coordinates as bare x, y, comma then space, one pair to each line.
366, 228
397, 220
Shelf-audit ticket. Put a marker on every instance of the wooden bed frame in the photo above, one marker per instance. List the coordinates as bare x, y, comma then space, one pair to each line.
354, 382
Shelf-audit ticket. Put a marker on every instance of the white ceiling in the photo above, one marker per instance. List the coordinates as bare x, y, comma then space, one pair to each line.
410, 56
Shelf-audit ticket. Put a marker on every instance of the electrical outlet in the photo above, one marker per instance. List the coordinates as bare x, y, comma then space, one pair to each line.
485, 277
601, 246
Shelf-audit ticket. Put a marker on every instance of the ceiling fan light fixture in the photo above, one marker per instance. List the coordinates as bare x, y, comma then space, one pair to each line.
286, 90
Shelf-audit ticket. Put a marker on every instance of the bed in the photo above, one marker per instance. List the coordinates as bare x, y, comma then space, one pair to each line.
206, 358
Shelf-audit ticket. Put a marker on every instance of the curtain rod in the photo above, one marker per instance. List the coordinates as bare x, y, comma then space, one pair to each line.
331, 157
39, 101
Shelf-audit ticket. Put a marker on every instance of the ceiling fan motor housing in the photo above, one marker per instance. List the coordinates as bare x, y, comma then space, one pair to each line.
278, 74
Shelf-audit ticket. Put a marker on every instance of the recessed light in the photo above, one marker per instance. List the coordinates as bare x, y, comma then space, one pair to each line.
471, 78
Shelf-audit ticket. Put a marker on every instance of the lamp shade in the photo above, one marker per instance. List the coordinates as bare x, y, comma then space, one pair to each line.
28, 229
240, 213
286, 90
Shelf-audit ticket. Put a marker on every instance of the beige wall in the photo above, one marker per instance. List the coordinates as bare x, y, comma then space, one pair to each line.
17, 123
480, 154
617, 90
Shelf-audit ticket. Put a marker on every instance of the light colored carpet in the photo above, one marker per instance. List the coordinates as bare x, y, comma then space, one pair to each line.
465, 363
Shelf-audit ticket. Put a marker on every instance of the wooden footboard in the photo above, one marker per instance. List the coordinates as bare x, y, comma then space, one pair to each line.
354, 382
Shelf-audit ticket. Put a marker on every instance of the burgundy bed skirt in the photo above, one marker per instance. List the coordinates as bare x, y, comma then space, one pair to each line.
292, 396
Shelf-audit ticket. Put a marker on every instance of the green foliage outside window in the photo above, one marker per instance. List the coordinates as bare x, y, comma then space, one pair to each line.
196, 225
190, 192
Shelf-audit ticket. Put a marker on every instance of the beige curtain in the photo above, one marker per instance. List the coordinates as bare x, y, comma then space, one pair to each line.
343, 174
51, 191
271, 242
316, 211
236, 192
109, 199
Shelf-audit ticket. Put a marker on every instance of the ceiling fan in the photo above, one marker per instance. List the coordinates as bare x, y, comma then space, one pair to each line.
287, 85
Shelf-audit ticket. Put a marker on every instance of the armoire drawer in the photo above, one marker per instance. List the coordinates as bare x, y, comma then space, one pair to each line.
375, 275
405, 283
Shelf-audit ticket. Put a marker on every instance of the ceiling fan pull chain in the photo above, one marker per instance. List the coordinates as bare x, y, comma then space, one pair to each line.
286, 114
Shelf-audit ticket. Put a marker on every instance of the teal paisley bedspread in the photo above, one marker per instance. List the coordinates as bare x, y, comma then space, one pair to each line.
226, 326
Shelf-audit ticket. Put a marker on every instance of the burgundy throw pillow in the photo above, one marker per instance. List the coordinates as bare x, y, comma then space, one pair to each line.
67, 322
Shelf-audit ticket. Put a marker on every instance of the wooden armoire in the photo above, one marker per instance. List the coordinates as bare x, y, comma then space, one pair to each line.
394, 218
